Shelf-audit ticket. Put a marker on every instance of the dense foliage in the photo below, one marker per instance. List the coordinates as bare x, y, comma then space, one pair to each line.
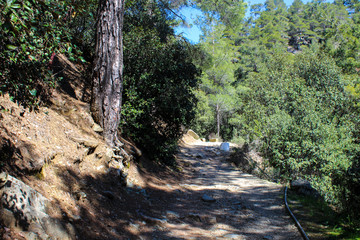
158, 80
306, 119
30, 33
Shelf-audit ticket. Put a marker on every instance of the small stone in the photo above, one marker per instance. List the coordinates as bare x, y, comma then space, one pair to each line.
134, 226
225, 146
3, 178
268, 237
233, 236
186, 164
91, 143
116, 164
199, 155
172, 215
211, 220
75, 218
80, 195
195, 216
97, 128
153, 221
129, 184
207, 198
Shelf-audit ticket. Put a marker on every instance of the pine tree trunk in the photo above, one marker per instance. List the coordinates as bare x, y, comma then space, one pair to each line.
108, 69
218, 120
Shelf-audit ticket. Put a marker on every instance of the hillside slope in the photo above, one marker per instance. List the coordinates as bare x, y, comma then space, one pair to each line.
55, 151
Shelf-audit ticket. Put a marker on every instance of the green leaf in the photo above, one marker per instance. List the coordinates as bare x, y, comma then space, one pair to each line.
28, 8
15, 6
32, 92
82, 59
9, 2
11, 47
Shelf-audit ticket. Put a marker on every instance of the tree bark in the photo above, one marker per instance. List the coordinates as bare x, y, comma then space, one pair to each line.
108, 69
217, 120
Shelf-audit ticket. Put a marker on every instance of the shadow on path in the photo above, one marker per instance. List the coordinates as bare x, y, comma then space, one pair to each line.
244, 206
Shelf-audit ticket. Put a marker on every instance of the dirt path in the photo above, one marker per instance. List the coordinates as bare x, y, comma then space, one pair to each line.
215, 201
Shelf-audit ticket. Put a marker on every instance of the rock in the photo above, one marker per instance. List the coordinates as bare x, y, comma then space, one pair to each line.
207, 198
105, 153
300, 183
32, 236
172, 215
194, 216
199, 155
96, 127
24, 209
134, 226
153, 221
3, 179
234, 236
268, 237
80, 195
193, 134
31, 160
91, 143
116, 164
129, 184
54, 229
213, 139
202, 218
75, 218
225, 146
211, 220
304, 187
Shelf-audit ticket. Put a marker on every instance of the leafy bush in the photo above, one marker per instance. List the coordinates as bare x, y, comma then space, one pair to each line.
158, 81
306, 121
30, 33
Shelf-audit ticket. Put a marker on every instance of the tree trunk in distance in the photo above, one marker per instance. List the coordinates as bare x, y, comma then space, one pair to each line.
108, 68
217, 120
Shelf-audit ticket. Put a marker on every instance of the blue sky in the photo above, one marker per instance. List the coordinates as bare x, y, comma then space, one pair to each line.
193, 33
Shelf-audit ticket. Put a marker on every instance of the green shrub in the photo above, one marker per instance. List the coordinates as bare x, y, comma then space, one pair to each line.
158, 81
30, 34
307, 123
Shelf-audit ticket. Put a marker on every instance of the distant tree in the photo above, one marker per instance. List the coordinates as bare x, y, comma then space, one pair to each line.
218, 77
221, 24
